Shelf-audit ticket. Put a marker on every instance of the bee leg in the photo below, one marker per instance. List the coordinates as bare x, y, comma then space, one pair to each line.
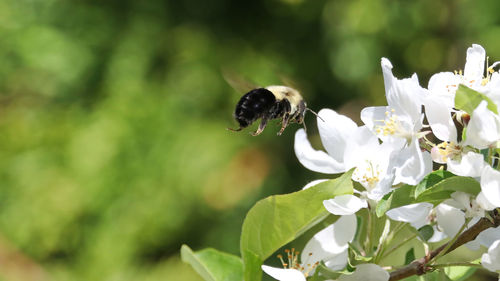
262, 125
286, 119
235, 130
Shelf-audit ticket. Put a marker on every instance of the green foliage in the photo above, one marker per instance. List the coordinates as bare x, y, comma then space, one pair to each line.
214, 265
460, 273
425, 232
409, 256
467, 100
399, 197
446, 187
113, 115
279, 219
430, 180
434, 188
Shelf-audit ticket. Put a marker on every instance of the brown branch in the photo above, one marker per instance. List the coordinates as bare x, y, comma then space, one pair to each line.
420, 267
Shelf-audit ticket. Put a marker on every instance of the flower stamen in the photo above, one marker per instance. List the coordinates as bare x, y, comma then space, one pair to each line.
293, 262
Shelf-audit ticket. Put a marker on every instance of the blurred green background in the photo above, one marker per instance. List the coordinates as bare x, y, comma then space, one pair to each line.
113, 114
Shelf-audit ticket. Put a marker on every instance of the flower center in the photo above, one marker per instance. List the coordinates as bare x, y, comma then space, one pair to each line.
489, 71
293, 262
392, 126
474, 209
446, 150
368, 174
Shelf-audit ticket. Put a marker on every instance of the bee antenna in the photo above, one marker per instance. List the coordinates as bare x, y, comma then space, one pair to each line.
307, 108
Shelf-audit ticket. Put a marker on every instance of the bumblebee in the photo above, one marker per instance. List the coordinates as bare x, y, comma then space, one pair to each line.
270, 103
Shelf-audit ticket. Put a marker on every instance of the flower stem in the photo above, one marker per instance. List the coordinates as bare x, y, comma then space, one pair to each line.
369, 232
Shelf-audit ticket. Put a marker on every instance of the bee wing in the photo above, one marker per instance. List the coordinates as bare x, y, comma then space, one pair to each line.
237, 82
289, 82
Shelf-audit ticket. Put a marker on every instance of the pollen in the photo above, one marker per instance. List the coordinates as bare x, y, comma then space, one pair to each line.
448, 150
391, 125
293, 262
368, 174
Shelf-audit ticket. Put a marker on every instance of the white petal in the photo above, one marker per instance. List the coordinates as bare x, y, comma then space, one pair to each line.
438, 114
483, 128
488, 236
474, 65
387, 71
413, 164
284, 274
344, 204
444, 86
367, 272
462, 198
490, 185
312, 159
449, 219
473, 245
338, 262
362, 143
405, 96
313, 183
335, 130
483, 202
491, 260
437, 156
437, 236
471, 165
416, 214
373, 115
331, 241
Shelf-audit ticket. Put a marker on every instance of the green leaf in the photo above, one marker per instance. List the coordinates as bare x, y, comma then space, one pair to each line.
401, 196
441, 191
279, 219
409, 256
467, 100
213, 265
460, 273
425, 232
431, 179
322, 273
358, 256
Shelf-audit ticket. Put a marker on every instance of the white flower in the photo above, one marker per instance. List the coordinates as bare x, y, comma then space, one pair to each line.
415, 214
400, 123
418, 215
449, 219
401, 120
412, 164
283, 274
488, 236
349, 146
470, 164
345, 204
438, 112
313, 183
367, 272
330, 245
491, 260
445, 84
490, 185
452, 213
483, 129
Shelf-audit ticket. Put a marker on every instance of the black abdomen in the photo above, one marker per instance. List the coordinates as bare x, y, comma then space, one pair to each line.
253, 105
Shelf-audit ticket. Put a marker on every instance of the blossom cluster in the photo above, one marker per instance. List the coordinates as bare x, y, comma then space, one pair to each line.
421, 130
